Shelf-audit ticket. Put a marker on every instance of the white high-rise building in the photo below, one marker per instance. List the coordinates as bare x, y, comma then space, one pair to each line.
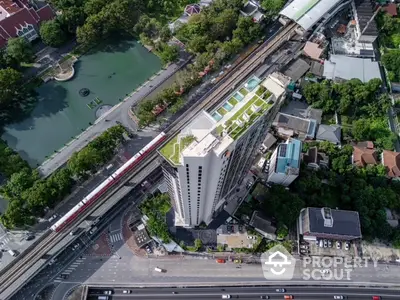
207, 160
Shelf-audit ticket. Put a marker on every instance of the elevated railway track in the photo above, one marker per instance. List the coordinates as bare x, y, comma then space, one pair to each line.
12, 278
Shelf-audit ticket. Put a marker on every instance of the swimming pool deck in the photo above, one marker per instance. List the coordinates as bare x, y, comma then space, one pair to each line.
234, 123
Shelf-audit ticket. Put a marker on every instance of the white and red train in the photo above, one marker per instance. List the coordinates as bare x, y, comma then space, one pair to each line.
106, 184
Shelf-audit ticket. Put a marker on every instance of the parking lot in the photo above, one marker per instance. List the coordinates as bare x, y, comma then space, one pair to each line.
327, 248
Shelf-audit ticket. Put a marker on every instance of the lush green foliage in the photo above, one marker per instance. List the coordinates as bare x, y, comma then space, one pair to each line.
272, 7
156, 209
214, 36
359, 103
97, 152
52, 34
365, 190
29, 196
19, 51
10, 161
391, 61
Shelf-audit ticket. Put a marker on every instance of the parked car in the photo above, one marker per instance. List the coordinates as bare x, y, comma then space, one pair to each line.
347, 246
52, 218
220, 261
325, 243
338, 245
30, 237
303, 246
330, 244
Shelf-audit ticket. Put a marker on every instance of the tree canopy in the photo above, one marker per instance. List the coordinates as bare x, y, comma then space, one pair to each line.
19, 51
52, 33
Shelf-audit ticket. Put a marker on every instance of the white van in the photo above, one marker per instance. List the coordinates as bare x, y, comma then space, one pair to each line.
226, 296
157, 269
12, 253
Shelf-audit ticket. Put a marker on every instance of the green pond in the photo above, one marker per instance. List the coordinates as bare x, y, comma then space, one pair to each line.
62, 112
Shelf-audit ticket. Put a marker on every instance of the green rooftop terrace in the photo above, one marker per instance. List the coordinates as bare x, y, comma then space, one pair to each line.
173, 149
256, 105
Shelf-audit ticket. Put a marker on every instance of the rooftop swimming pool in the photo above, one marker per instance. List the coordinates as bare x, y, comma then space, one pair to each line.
216, 116
238, 96
252, 83
227, 106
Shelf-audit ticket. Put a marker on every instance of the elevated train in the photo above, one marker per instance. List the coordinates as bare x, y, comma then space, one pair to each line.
107, 184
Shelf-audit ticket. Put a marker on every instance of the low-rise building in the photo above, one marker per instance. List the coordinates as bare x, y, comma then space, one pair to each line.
326, 223
364, 154
329, 133
341, 67
285, 163
391, 160
313, 50
262, 225
314, 159
19, 18
291, 126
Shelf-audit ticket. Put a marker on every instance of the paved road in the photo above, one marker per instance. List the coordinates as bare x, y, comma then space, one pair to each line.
118, 113
252, 293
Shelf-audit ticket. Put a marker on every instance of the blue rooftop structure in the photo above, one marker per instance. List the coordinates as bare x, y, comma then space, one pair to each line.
288, 156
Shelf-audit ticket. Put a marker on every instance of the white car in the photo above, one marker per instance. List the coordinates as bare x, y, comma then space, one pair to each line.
347, 246
76, 246
226, 296
126, 291
338, 245
108, 292
338, 297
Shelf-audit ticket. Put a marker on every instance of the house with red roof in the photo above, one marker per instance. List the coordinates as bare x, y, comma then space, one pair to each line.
391, 160
364, 154
19, 18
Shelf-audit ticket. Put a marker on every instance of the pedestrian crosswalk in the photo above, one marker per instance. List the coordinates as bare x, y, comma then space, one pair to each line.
115, 237
71, 268
4, 240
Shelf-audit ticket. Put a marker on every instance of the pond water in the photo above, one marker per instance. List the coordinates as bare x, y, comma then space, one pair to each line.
62, 112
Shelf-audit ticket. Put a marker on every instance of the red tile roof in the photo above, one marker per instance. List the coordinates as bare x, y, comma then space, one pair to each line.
363, 156
10, 6
391, 9
24, 16
45, 13
391, 160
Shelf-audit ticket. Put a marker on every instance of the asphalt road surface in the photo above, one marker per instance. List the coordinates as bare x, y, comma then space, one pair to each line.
253, 293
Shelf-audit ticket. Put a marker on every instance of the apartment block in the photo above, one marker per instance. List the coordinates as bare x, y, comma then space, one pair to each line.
207, 160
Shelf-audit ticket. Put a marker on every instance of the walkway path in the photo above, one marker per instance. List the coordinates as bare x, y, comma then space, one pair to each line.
118, 113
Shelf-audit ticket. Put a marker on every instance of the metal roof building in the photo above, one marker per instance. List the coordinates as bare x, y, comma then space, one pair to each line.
307, 13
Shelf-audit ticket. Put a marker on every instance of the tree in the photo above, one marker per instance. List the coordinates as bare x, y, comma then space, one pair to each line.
52, 33
169, 53
165, 34
18, 183
246, 30
19, 50
198, 244
272, 7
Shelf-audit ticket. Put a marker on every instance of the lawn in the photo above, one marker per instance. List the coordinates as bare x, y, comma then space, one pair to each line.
221, 111
233, 101
243, 91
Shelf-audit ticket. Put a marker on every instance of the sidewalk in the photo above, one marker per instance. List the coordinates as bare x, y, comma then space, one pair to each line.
118, 114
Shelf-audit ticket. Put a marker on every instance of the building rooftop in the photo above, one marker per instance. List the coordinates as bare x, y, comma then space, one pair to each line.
314, 158
303, 127
344, 222
141, 237
391, 9
330, 133
365, 12
312, 50
288, 156
262, 224
308, 13
297, 69
219, 128
346, 68
364, 155
391, 160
